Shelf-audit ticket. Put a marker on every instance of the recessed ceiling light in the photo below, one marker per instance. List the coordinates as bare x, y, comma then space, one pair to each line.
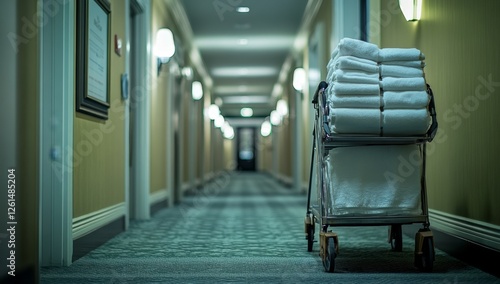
243, 9
246, 112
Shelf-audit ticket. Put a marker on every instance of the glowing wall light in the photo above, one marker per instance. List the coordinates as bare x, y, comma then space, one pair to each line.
299, 79
265, 128
412, 9
275, 118
213, 111
164, 46
197, 90
219, 121
282, 107
227, 131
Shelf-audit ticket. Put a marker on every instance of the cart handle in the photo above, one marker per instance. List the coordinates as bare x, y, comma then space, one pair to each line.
432, 109
322, 85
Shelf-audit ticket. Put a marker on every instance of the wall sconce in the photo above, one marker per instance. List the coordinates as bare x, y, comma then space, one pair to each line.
265, 128
275, 118
412, 9
282, 107
213, 111
227, 131
299, 79
197, 90
164, 46
219, 121
187, 72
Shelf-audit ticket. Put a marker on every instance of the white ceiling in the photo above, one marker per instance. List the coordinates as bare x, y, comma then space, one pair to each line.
243, 53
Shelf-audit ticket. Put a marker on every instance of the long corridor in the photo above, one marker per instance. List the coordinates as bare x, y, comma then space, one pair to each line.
248, 228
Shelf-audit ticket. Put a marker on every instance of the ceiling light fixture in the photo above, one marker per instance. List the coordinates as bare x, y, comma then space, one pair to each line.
246, 112
243, 9
243, 41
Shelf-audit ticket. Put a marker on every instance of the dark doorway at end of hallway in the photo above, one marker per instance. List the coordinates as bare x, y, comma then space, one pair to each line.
245, 150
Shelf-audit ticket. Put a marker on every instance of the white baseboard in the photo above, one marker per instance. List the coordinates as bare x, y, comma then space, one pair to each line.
479, 232
88, 223
160, 195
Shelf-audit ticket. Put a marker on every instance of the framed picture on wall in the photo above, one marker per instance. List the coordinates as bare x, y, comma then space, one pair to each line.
93, 57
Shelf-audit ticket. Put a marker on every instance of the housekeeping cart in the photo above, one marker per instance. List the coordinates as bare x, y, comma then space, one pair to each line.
324, 211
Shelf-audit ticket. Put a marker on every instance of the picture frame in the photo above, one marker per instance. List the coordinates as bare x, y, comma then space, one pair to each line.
93, 57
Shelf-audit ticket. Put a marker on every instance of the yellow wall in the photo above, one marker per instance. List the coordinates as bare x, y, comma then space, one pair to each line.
324, 18
158, 116
229, 154
185, 115
99, 148
207, 132
460, 43
264, 153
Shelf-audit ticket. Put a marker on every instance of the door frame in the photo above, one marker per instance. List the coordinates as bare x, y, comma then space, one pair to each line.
56, 102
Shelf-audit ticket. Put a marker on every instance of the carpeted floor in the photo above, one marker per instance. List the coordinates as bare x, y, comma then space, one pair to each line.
247, 228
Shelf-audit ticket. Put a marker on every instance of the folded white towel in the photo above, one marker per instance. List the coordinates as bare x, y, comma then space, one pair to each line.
355, 76
355, 89
396, 54
403, 84
358, 48
402, 122
355, 101
414, 63
400, 71
353, 63
355, 121
405, 99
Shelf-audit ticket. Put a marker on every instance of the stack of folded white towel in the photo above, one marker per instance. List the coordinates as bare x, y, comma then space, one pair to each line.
377, 91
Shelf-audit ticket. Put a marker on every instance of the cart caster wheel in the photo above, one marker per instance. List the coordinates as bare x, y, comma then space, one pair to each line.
310, 237
331, 254
424, 260
396, 237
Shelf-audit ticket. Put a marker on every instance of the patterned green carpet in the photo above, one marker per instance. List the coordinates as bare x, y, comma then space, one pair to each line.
247, 228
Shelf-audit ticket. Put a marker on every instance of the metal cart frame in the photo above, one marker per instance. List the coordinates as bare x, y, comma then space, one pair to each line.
323, 141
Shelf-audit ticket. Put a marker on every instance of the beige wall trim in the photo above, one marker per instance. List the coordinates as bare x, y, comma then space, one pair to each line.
479, 232
88, 223
158, 196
